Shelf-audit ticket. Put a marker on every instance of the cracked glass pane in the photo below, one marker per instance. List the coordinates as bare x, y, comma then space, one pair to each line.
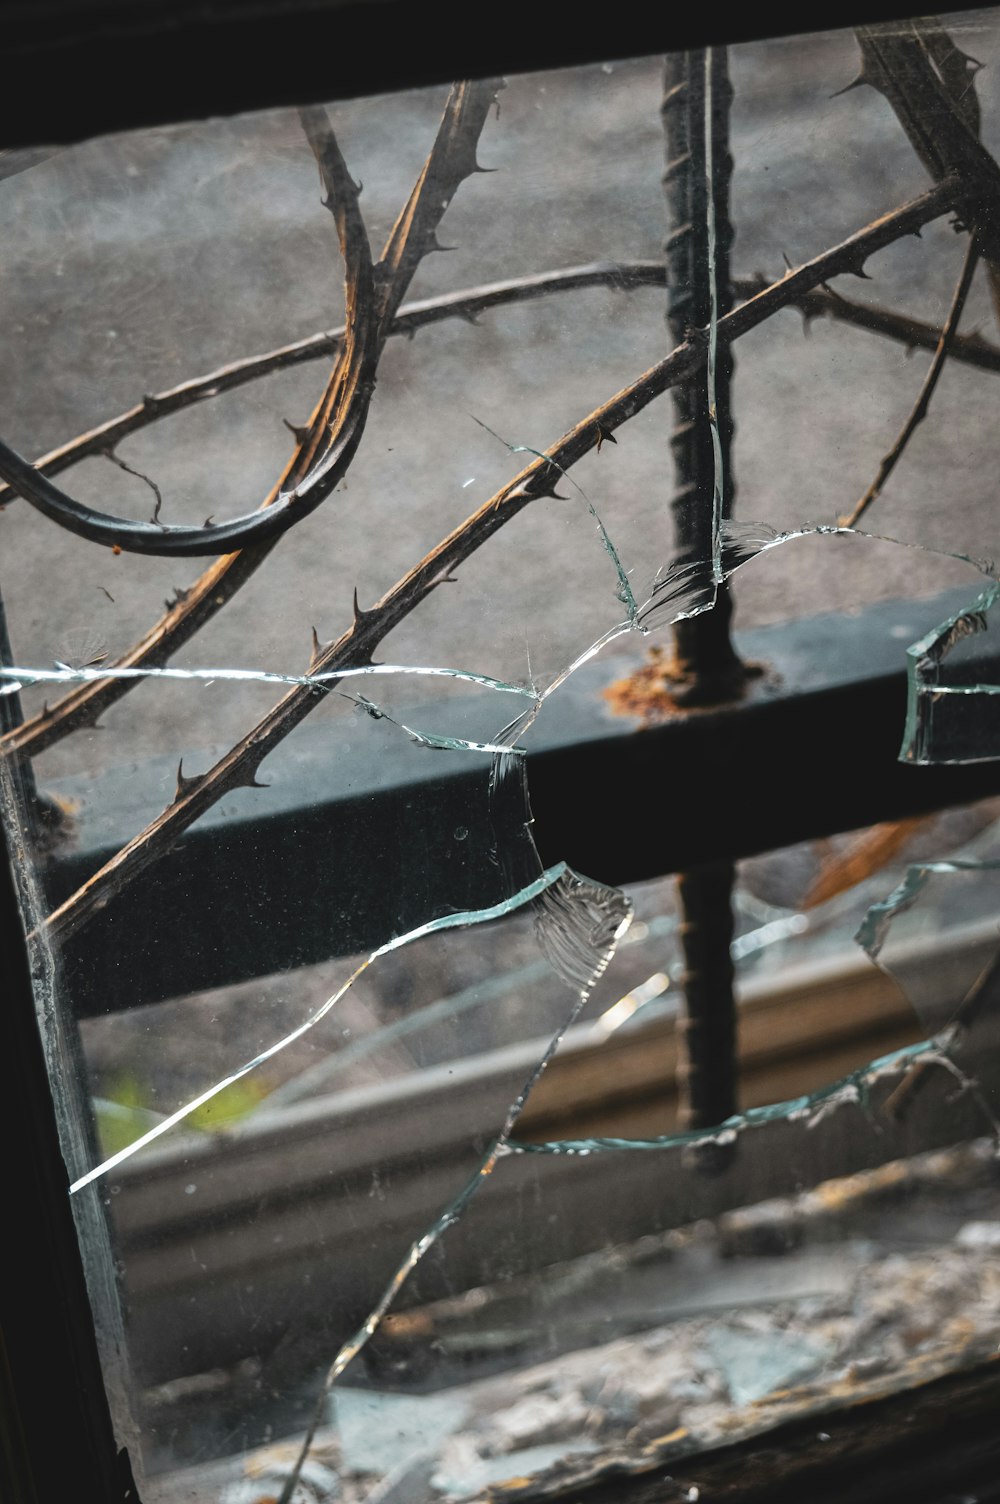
499, 755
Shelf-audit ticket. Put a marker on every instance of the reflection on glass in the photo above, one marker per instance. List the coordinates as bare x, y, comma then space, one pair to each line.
412, 1152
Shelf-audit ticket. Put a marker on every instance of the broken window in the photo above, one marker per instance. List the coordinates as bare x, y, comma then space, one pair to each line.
524, 1021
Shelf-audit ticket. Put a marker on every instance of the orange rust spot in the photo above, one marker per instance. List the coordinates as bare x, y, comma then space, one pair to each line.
116, 548
646, 693
662, 687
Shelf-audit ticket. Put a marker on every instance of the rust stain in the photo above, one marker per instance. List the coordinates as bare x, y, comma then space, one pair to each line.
646, 694
662, 688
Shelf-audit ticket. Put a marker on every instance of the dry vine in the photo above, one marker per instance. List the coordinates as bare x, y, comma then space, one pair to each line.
908, 71
535, 480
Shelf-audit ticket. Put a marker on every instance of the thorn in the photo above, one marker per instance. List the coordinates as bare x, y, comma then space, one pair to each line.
556, 497
208, 520
434, 244
604, 436
300, 432
46, 712
359, 615
855, 83
150, 403
859, 271
184, 785
476, 167
470, 315
318, 648
253, 782
788, 264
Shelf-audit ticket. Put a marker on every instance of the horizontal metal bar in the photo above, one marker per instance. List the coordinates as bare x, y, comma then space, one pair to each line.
344, 851
173, 60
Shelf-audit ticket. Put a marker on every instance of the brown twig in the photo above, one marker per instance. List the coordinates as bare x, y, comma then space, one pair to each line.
331, 445
920, 407
452, 159
355, 646
465, 304
468, 303
915, 334
928, 85
192, 608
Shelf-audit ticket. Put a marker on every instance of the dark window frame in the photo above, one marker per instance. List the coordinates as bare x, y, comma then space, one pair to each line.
89, 70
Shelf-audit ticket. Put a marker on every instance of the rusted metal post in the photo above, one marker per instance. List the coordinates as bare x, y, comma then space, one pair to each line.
707, 668
696, 104
706, 1072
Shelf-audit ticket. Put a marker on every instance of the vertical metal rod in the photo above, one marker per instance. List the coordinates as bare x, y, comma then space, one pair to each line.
707, 668
695, 111
706, 1071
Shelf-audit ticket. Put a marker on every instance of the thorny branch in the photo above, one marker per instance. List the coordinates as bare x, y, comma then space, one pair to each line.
83, 705
193, 607
452, 159
928, 84
355, 647
919, 412
332, 446
915, 334
468, 303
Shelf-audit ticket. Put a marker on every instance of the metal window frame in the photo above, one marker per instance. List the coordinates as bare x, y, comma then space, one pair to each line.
87, 68
92, 66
